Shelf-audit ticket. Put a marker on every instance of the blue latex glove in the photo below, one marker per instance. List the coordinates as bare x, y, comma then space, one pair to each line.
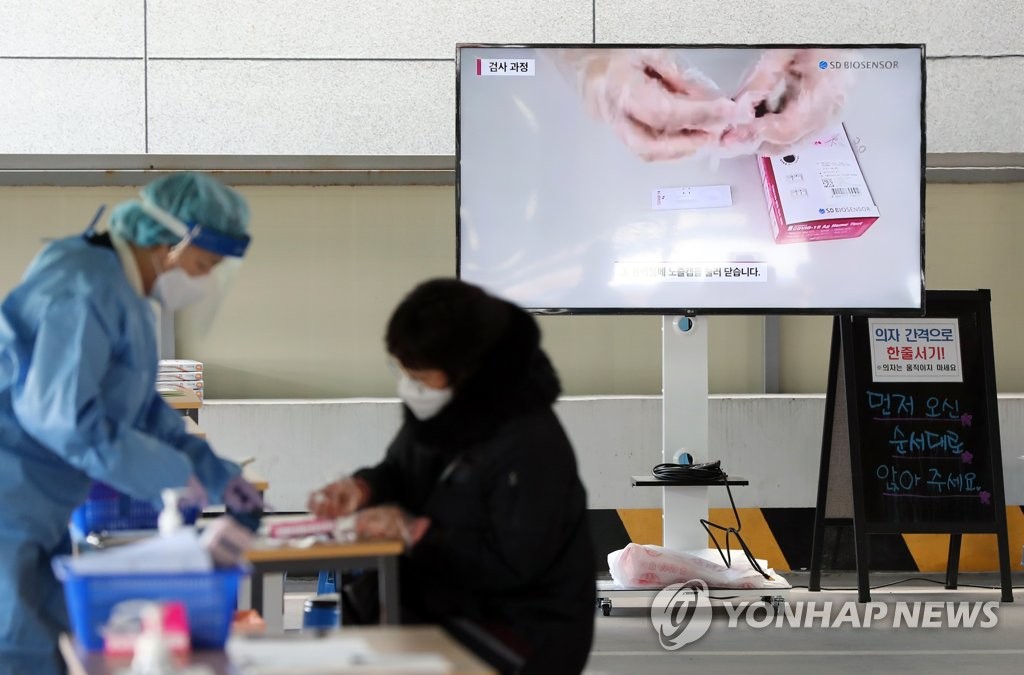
241, 496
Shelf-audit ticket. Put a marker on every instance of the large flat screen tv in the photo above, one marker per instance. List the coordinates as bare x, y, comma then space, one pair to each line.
693, 179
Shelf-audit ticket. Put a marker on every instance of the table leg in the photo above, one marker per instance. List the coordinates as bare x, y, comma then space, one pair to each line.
245, 594
273, 602
338, 590
387, 590
256, 591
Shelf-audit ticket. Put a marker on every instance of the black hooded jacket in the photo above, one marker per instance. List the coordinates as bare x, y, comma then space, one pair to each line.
508, 547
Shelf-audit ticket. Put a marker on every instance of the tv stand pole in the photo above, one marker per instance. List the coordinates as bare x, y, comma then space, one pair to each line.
684, 414
684, 377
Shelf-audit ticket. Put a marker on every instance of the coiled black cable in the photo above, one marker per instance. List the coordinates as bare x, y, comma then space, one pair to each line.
697, 473
711, 472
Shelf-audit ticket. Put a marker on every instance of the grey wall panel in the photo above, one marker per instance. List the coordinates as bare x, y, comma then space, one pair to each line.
374, 30
975, 106
72, 107
301, 107
310, 77
93, 28
947, 26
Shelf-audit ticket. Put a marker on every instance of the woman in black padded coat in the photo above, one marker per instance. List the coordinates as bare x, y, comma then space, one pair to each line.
481, 481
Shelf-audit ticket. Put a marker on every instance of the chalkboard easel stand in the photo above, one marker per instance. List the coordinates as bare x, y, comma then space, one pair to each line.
818, 535
836, 475
854, 442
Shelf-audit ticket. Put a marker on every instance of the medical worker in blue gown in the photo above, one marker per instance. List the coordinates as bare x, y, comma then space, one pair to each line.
78, 361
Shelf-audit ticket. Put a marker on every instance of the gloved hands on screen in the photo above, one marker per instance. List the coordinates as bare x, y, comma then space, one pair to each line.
659, 110
663, 111
788, 97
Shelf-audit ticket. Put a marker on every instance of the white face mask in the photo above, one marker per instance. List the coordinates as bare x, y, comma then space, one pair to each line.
175, 289
423, 401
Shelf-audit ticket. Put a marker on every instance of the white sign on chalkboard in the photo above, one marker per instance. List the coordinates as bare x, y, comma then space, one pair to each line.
915, 350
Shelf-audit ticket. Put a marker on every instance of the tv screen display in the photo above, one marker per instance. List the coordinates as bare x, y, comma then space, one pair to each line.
711, 179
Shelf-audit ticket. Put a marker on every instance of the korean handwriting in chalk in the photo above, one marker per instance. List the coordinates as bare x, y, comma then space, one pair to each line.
933, 432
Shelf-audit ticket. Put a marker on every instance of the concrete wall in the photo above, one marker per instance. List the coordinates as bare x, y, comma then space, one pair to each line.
324, 77
775, 441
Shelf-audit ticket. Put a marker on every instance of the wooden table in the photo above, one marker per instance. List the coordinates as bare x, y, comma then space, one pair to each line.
390, 640
185, 400
339, 557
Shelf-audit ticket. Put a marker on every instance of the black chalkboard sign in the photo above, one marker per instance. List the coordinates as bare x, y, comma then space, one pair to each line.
911, 409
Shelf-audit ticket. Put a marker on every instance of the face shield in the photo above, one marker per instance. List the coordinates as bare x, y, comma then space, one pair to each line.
192, 322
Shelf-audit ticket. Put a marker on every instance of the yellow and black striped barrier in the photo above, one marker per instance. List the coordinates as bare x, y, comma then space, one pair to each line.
782, 536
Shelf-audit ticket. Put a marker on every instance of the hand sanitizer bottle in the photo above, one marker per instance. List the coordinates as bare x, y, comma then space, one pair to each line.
170, 520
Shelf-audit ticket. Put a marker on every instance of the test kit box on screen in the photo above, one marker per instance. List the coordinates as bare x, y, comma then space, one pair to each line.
817, 192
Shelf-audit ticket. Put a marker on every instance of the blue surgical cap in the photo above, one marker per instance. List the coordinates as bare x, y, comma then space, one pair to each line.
193, 198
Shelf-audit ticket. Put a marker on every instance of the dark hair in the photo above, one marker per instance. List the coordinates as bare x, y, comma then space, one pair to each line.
446, 324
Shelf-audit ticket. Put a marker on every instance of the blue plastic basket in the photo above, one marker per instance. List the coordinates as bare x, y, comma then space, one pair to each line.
210, 599
107, 510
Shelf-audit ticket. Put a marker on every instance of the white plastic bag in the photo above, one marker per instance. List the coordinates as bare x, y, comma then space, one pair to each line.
649, 566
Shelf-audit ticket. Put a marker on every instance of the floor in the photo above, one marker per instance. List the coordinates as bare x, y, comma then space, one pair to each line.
626, 641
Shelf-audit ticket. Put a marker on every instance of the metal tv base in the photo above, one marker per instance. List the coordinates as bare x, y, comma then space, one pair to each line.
775, 596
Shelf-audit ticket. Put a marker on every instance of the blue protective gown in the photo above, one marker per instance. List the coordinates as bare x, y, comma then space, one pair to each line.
78, 360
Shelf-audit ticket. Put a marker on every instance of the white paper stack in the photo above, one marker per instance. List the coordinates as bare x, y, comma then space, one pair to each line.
180, 552
181, 373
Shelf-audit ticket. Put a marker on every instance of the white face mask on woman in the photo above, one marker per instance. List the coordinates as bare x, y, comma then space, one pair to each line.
423, 401
175, 289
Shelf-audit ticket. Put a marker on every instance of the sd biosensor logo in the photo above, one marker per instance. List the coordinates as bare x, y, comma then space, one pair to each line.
859, 65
